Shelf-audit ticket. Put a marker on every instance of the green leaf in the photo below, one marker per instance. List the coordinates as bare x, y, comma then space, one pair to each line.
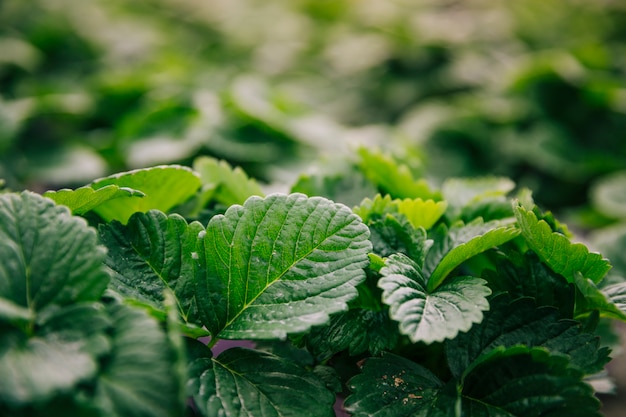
396, 235
393, 386
150, 254
393, 178
422, 213
523, 381
590, 298
49, 256
230, 186
251, 383
469, 241
427, 316
164, 187
357, 331
508, 324
557, 251
85, 199
349, 187
279, 265
616, 293
139, 377
467, 193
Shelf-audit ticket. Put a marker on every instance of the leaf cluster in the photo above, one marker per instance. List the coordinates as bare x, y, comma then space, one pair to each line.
124, 297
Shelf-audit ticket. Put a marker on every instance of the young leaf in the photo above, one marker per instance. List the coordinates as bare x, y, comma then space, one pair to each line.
48, 255
393, 178
85, 199
422, 213
524, 381
393, 386
153, 252
520, 322
231, 186
427, 316
279, 265
557, 251
251, 383
461, 242
164, 187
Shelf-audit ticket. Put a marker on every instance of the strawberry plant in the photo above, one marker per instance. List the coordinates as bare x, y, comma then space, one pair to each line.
464, 299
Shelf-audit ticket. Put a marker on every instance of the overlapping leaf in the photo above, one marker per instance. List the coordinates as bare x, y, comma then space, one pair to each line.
85, 199
164, 187
279, 265
556, 250
250, 383
153, 252
430, 316
48, 256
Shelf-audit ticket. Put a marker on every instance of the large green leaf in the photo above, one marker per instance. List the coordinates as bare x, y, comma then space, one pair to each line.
556, 250
393, 386
48, 256
153, 252
251, 383
431, 316
85, 199
468, 241
164, 187
279, 265
139, 377
521, 322
523, 381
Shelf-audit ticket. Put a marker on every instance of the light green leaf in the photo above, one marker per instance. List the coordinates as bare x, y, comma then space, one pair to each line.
557, 251
393, 386
393, 178
150, 254
85, 199
279, 265
510, 323
422, 213
524, 381
251, 383
229, 186
426, 316
139, 377
164, 187
462, 242
48, 255
590, 298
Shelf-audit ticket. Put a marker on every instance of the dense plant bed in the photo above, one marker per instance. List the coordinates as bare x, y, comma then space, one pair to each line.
464, 299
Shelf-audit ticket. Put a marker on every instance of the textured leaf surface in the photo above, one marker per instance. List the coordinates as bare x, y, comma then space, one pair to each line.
617, 295
431, 316
393, 386
85, 199
230, 186
48, 256
422, 213
557, 251
164, 187
392, 235
153, 252
522, 381
250, 383
466, 245
590, 298
279, 265
139, 377
519, 322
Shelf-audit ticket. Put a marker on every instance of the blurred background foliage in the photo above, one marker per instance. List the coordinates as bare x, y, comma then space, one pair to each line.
532, 90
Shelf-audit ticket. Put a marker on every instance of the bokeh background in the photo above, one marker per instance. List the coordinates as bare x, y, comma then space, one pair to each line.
534, 90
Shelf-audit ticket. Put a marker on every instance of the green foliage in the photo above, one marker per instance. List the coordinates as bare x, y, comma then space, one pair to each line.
405, 306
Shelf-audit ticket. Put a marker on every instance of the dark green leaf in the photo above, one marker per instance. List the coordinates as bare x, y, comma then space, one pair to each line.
590, 298
431, 316
151, 253
557, 251
520, 322
391, 235
250, 383
279, 265
48, 256
523, 381
393, 386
